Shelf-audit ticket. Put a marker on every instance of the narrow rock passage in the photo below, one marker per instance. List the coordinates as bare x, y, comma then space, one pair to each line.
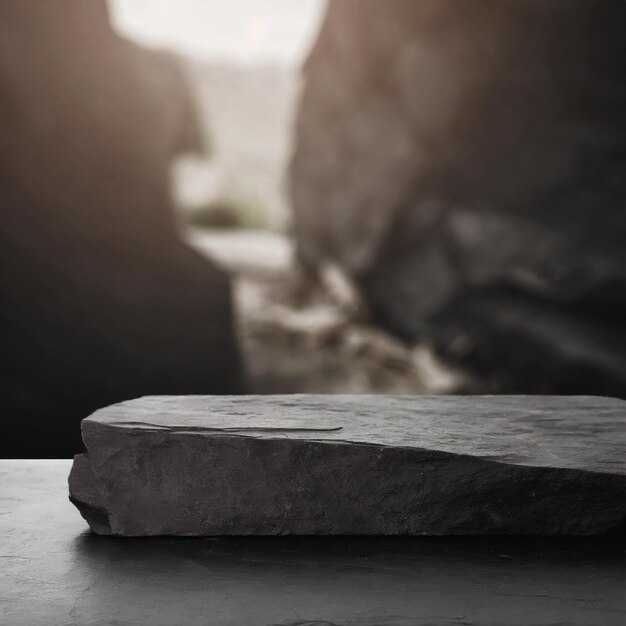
302, 338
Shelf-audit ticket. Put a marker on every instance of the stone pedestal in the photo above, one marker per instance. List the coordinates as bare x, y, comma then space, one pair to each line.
354, 465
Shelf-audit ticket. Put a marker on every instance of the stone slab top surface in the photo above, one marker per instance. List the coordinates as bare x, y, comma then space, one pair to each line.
577, 432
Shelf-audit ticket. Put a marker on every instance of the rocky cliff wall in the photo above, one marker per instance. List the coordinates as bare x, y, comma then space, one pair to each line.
465, 163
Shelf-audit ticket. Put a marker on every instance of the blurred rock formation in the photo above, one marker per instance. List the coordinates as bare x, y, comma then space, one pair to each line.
465, 163
100, 300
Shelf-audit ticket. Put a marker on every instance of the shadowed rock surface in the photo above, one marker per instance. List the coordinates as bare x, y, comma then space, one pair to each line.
465, 163
362, 465
100, 300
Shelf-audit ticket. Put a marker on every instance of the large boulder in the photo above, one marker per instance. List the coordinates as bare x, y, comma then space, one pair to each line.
101, 301
465, 163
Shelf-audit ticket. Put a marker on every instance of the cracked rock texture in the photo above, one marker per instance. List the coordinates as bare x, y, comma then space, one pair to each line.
275, 465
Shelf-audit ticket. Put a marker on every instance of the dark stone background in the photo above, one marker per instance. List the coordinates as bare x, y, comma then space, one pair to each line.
465, 164
100, 300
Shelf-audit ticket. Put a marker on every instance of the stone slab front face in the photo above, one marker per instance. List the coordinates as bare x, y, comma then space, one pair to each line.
362, 465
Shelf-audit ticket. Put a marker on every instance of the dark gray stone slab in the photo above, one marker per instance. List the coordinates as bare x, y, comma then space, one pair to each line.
391, 465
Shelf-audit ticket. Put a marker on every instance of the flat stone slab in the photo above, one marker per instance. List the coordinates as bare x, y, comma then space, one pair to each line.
362, 465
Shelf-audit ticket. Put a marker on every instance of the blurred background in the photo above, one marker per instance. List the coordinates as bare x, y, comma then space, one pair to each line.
268, 196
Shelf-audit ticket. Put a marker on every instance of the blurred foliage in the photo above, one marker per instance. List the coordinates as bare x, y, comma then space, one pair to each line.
228, 214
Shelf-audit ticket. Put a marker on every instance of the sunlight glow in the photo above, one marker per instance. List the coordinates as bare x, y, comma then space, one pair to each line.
245, 31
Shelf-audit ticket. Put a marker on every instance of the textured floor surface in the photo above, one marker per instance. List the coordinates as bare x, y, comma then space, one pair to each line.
53, 572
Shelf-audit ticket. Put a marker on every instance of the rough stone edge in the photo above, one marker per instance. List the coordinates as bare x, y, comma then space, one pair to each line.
86, 494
